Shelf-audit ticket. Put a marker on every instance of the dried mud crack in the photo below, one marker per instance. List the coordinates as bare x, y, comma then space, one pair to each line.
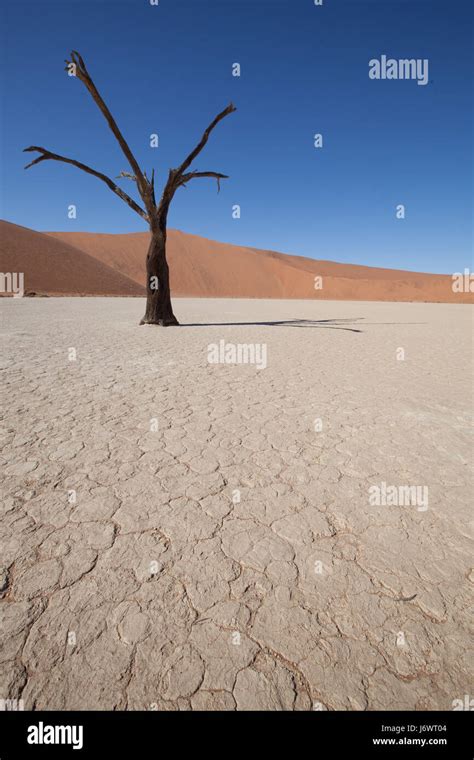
178, 535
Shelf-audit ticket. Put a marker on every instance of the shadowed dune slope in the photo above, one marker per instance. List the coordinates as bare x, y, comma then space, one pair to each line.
55, 267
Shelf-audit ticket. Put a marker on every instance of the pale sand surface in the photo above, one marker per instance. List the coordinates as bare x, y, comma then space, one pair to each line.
294, 595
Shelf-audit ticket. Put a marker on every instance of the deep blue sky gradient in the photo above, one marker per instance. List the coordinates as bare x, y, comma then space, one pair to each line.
167, 69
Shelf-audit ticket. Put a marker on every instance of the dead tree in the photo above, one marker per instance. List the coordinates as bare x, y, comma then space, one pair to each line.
159, 310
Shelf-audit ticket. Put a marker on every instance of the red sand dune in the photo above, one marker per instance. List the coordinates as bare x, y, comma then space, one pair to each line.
81, 263
201, 267
53, 267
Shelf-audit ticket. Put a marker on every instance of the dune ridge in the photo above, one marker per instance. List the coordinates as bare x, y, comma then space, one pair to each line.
205, 268
85, 263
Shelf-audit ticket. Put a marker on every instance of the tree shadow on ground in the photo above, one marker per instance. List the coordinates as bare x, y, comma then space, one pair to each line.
333, 324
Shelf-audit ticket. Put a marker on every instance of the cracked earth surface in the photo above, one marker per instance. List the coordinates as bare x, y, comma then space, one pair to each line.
230, 558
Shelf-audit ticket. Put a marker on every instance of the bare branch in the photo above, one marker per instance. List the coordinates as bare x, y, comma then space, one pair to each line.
85, 78
188, 161
152, 185
177, 177
46, 155
197, 175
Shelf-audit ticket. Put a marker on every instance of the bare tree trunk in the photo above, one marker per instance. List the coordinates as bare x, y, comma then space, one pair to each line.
159, 310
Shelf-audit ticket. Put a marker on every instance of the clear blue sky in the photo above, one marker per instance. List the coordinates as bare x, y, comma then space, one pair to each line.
167, 69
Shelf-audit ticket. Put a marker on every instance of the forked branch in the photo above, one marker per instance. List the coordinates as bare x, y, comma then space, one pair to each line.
178, 178
194, 153
146, 187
